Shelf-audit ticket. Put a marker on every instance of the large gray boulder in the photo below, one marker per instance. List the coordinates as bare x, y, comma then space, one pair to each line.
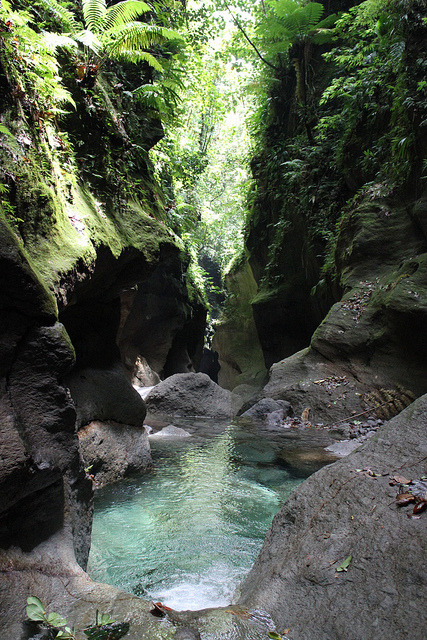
192, 394
105, 394
343, 511
111, 450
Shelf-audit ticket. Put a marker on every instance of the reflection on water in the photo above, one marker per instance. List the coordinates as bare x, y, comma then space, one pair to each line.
187, 533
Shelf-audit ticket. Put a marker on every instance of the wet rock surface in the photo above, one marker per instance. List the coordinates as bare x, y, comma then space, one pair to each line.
349, 509
268, 412
105, 394
112, 451
192, 394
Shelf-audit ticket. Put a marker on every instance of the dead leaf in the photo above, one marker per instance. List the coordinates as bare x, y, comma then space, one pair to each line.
403, 499
399, 480
420, 507
81, 70
369, 473
305, 414
159, 610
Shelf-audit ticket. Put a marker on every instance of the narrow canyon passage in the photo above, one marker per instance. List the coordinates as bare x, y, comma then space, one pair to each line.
213, 259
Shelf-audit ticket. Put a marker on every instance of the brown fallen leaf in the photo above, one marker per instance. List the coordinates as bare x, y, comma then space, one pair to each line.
420, 507
159, 610
403, 499
399, 480
305, 414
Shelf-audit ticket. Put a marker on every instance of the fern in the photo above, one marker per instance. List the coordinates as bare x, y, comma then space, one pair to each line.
62, 15
288, 21
94, 13
124, 12
89, 40
113, 32
130, 55
49, 42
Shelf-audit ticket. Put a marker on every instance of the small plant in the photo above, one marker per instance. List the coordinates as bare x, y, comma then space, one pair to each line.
103, 629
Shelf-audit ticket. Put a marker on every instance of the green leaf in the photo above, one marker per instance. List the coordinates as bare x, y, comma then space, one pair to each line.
274, 635
344, 565
34, 613
35, 609
104, 618
6, 131
56, 620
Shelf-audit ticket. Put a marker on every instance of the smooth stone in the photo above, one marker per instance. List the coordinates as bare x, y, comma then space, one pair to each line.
169, 432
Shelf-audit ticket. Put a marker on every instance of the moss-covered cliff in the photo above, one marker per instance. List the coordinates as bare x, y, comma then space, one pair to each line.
338, 211
83, 244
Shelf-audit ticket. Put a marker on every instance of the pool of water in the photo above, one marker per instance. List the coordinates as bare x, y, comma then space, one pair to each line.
187, 532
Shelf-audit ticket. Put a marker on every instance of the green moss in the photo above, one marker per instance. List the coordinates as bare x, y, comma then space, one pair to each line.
12, 247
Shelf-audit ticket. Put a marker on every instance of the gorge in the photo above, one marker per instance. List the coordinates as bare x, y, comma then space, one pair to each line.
320, 321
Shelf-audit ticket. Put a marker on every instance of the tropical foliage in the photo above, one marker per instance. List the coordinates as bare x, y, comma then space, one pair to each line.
115, 32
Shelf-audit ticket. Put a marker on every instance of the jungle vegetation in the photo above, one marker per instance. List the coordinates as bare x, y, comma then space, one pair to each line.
263, 103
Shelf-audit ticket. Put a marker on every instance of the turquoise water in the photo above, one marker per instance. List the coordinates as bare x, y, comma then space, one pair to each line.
187, 533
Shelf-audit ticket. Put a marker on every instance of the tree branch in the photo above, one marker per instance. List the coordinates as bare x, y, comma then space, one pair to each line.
239, 26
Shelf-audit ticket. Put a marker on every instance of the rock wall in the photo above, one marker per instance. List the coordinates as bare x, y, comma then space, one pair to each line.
79, 251
342, 511
337, 245
236, 338
374, 337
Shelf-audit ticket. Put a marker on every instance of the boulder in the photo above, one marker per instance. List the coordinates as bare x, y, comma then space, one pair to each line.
343, 511
192, 394
105, 394
111, 451
170, 432
309, 381
268, 412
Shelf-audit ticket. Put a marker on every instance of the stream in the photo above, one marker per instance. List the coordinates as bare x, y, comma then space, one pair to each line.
187, 533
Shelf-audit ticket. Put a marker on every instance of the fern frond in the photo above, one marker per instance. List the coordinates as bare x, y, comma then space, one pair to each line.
94, 12
132, 55
303, 19
134, 36
283, 8
49, 42
89, 39
60, 95
123, 12
65, 17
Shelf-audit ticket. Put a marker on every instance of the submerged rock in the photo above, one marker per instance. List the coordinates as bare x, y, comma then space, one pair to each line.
192, 394
340, 512
187, 634
303, 462
170, 432
111, 451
